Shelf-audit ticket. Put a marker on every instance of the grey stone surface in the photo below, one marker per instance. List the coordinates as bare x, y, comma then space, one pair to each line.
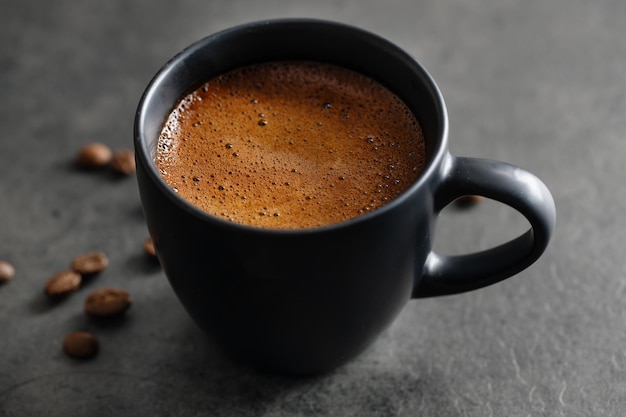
541, 84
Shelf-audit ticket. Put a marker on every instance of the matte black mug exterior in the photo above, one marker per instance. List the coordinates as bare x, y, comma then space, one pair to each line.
306, 301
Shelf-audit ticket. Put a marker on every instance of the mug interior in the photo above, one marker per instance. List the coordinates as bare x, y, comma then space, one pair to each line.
293, 39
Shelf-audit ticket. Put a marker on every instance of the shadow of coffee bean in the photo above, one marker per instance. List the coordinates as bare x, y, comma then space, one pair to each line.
141, 264
43, 303
107, 323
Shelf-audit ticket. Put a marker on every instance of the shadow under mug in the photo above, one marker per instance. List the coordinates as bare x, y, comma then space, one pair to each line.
306, 301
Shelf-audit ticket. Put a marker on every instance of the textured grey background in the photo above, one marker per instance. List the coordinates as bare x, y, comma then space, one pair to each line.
541, 84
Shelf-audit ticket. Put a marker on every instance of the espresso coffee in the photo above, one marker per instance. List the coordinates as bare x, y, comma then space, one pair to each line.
290, 145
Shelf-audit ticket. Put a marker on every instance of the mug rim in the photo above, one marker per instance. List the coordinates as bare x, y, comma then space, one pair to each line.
433, 162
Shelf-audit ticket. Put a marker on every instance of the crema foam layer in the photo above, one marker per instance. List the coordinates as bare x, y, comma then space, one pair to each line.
290, 145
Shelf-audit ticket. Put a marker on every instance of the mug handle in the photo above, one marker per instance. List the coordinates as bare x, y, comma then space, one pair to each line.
510, 185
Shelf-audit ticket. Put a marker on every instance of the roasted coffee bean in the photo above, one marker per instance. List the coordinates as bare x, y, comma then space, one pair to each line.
94, 155
63, 283
123, 162
82, 345
7, 271
90, 263
467, 201
148, 247
107, 302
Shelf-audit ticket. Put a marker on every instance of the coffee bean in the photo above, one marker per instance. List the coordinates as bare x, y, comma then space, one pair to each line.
90, 263
148, 247
123, 162
467, 201
94, 155
107, 302
63, 283
80, 345
7, 271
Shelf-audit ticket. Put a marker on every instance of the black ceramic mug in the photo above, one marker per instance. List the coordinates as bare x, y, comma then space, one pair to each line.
306, 301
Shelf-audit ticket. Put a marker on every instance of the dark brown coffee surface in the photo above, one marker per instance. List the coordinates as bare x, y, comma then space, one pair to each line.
290, 145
